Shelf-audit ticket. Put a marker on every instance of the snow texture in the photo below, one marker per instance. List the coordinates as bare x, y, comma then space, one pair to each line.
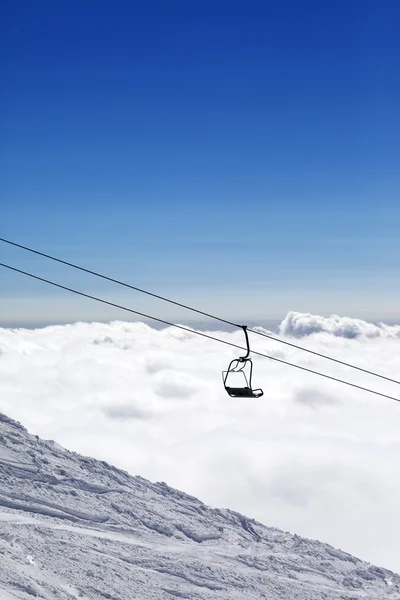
73, 527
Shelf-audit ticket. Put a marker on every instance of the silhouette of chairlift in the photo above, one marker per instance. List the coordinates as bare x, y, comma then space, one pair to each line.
240, 371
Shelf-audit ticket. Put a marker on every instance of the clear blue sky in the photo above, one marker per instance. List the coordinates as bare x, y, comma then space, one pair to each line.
243, 156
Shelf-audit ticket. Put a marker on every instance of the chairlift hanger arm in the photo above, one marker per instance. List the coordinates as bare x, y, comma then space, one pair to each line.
243, 358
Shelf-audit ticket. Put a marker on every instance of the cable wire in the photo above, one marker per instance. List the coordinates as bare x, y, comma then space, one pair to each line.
127, 285
279, 360
200, 312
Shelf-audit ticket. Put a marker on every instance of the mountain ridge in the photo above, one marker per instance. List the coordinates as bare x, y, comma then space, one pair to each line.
76, 527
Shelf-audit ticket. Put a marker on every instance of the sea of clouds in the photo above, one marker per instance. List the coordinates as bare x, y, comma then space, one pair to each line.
311, 456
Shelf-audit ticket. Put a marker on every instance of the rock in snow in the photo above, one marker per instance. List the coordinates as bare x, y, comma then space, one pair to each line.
75, 527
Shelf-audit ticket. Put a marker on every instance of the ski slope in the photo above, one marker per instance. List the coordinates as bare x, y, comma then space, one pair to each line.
75, 527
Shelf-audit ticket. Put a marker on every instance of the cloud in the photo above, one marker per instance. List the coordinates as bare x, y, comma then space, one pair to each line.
125, 408
299, 324
314, 398
311, 456
174, 384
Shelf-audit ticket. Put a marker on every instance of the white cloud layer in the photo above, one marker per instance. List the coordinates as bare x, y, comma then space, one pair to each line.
300, 324
311, 456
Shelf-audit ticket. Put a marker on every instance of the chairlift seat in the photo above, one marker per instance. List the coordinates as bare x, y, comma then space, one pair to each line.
243, 392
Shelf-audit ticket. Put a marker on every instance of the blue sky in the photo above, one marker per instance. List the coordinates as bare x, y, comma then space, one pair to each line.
243, 157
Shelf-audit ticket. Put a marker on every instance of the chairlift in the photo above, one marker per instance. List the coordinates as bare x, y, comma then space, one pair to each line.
240, 371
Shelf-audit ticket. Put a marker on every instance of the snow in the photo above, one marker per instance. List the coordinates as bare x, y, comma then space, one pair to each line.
75, 527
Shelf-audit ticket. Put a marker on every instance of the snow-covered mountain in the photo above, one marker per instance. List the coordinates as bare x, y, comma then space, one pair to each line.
76, 527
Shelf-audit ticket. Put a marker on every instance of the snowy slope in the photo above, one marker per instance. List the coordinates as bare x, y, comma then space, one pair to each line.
75, 527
